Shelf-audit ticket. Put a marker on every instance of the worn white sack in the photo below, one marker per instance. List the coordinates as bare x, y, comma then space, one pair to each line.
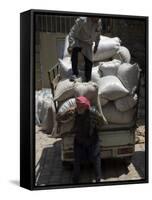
103, 101
114, 116
89, 90
126, 103
65, 68
129, 76
107, 49
95, 76
64, 90
123, 55
109, 67
45, 110
70, 103
111, 88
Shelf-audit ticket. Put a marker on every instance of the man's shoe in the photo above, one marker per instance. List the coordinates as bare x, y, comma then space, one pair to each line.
73, 77
98, 180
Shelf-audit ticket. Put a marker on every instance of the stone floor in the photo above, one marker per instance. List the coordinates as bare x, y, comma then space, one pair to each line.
51, 171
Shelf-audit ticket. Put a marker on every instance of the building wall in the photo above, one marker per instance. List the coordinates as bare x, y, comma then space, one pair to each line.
50, 34
133, 36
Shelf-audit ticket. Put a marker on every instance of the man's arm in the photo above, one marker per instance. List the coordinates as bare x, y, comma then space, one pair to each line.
97, 119
98, 33
74, 31
64, 117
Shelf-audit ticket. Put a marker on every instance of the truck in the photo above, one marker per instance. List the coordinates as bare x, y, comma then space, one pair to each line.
116, 140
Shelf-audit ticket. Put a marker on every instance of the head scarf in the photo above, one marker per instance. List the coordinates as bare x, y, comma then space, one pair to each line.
83, 101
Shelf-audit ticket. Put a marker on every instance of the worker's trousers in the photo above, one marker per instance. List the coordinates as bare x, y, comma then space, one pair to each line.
88, 64
90, 153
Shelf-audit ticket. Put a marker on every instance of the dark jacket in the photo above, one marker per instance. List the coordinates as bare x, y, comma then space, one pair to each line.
86, 127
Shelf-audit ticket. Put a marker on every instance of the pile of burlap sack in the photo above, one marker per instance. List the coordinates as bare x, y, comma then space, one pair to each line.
113, 85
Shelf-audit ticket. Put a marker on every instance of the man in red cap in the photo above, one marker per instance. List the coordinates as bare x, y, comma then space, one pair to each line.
86, 141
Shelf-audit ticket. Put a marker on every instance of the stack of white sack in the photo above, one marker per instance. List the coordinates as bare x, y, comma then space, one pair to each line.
45, 113
67, 89
118, 92
113, 85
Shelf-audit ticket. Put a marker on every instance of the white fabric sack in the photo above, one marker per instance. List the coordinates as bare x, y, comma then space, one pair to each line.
111, 88
70, 103
103, 101
89, 90
45, 110
114, 116
129, 76
123, 55
126, 103
106, 49
109, 68
95, 76
64, 90
66, 45
65, 68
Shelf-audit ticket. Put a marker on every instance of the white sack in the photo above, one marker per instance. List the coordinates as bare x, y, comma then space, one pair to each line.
95, 76
66, 45
64, 90
111, 88
103, 101
109, 68
126, 103
89, 90
65, 68
70, 103
107, 49
45, 110
129, 76
123, 55
114, 116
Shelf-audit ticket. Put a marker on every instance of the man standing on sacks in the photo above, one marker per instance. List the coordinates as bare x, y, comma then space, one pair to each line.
85, 31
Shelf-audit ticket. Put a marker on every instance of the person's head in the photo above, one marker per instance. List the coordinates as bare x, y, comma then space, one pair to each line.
95, 19
83, 104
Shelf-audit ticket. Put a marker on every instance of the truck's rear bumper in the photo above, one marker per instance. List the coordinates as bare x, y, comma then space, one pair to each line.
113, 143
109, 152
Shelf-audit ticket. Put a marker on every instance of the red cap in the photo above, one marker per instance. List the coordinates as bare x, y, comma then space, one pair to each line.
83, 101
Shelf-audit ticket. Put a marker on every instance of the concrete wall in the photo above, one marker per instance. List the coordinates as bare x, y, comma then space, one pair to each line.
133, 35
48, 54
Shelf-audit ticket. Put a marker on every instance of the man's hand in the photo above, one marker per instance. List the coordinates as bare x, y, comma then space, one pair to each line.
69, 50
66, 115
95, 49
